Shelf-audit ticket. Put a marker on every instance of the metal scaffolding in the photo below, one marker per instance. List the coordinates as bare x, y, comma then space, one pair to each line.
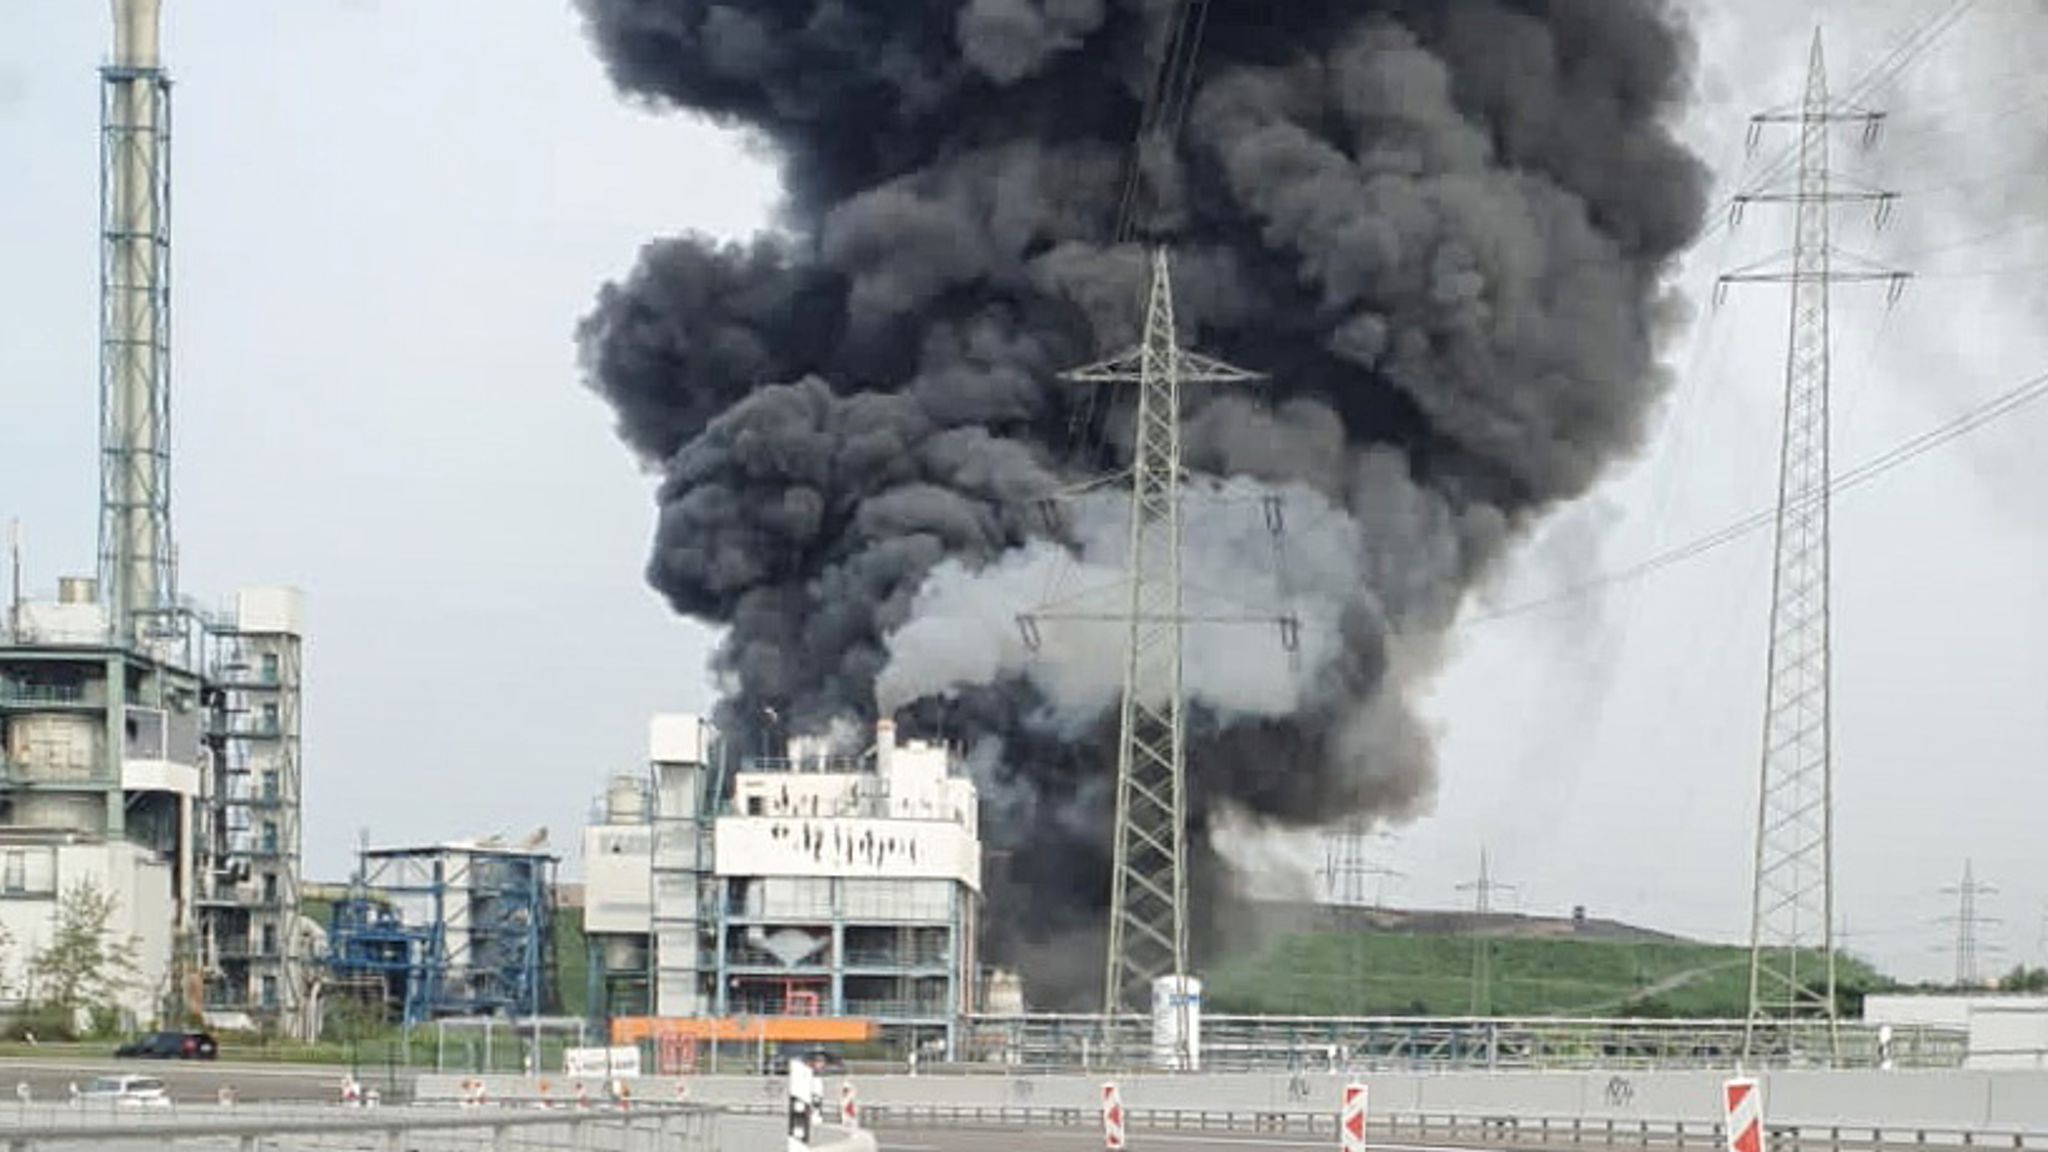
450, 930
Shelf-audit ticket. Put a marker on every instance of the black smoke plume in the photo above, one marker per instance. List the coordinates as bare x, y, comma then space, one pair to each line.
1440, 226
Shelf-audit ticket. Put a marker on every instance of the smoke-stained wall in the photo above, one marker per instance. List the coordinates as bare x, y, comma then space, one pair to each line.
1439, 227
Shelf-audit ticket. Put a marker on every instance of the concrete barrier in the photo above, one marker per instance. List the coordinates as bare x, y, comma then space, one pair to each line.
1958, 1099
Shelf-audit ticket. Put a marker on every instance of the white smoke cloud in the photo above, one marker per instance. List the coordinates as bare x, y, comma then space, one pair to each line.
1239, 578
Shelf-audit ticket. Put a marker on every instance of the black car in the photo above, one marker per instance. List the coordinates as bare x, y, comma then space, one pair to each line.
170, 1046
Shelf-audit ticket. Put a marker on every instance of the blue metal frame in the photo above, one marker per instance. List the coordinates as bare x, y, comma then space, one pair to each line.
505, 960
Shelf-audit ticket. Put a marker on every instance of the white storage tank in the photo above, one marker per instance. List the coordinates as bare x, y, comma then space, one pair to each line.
1177, 1023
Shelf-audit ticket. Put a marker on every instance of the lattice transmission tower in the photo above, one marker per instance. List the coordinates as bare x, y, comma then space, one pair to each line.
1969, 922
1792, 946
1351, 877
1148, 888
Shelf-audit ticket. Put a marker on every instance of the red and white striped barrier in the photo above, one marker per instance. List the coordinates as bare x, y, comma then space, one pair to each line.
582, 1094
849, 1106
1112, 1118
1743, 1104
1351, 1122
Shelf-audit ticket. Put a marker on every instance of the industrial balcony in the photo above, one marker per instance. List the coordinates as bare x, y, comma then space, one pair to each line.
15, 694
937, 962
240, 952
267, 799
935, 1011
242, 678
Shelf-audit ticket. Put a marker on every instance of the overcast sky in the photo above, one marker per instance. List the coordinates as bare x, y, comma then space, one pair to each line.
389, 217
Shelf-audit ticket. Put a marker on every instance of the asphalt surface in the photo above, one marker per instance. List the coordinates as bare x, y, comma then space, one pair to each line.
189, 1081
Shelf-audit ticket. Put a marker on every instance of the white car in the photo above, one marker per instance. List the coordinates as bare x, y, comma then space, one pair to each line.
126, 1092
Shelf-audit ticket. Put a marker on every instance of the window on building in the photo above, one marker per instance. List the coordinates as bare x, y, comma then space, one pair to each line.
270, 785
14, 873
270, 667
270, 836
270, 717
270, 991
270, 939
270, 887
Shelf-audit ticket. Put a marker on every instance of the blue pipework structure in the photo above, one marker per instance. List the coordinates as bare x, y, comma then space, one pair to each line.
450, 930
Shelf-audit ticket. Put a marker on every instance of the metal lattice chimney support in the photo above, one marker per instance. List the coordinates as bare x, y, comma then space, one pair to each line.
135, 193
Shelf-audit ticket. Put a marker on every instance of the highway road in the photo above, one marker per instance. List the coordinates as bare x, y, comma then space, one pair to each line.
190, 1082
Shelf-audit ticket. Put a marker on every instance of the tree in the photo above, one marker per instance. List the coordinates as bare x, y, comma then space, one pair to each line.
82, 972
2025, 979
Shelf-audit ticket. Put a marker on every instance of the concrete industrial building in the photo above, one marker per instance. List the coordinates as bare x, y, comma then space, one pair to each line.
808, 886
149, 747
163, 771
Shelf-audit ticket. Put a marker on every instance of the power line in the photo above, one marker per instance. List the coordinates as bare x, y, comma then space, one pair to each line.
2005, 404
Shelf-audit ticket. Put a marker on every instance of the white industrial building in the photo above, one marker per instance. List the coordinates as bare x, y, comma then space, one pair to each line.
2006, 1031
162, 771
819, 885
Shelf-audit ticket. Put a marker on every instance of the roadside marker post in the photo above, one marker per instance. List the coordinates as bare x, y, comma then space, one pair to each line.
1351, 1122
1743, 1106
1112, 1118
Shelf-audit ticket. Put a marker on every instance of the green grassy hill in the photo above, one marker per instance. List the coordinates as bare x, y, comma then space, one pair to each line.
1378, 973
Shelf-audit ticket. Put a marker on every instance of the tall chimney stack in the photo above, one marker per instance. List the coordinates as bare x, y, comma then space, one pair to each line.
885, 743
135, 33
135, 190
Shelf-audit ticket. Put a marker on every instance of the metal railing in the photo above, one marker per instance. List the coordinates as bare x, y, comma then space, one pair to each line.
1287, 1043
1442, 1128
26, 1128
21, 693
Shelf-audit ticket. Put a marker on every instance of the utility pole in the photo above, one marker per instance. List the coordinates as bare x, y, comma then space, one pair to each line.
1792, 906
1483, 889
1967, 921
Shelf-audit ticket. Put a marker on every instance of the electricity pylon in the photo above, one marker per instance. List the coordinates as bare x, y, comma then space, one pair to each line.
1148, 936
1792, 947
1968, 920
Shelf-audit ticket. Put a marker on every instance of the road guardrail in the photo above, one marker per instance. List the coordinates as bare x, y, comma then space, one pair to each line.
1562, 1134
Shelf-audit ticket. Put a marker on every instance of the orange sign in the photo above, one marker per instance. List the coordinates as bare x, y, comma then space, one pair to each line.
783, 1029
